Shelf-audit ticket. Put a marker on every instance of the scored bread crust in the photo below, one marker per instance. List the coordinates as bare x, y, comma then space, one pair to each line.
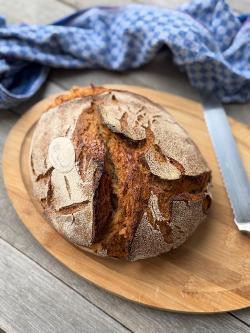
126, 149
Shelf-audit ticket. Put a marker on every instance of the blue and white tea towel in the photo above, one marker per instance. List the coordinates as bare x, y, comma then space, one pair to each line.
206, 39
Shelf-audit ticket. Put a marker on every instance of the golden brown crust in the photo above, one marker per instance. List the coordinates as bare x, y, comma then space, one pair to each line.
137, 186
170, 138
76, 92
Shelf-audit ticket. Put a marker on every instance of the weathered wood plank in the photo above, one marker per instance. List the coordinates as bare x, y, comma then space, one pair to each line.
243, 315
242, 6
34, 12
89, 3
239, 112
33, 300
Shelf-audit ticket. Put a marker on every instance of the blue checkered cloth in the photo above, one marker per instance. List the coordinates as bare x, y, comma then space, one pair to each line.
206, 39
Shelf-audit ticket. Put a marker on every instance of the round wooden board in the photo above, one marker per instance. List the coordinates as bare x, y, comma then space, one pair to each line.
209, 273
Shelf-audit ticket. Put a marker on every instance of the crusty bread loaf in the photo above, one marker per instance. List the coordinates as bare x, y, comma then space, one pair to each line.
116, 174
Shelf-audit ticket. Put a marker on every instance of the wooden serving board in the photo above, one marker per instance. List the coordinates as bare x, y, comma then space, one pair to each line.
209, 273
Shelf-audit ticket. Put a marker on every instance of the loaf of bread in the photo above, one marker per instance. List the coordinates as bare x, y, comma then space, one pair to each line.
115, 174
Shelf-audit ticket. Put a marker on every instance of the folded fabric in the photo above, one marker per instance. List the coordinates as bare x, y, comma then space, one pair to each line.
206, 39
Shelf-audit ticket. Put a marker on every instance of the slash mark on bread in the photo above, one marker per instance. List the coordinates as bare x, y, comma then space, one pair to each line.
122, 188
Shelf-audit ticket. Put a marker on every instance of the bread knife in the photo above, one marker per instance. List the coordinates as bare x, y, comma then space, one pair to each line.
231, 167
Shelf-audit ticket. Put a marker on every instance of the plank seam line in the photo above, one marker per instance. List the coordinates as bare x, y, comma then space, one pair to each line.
15, 112
239, 319
64, 2
59, 84
57, 278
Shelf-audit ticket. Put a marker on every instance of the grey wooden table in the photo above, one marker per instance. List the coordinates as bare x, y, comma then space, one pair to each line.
37, 293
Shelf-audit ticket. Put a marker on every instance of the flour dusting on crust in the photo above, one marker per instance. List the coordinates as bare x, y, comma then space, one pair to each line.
71, 164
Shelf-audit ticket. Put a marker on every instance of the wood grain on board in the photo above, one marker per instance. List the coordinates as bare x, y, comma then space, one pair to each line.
198, 277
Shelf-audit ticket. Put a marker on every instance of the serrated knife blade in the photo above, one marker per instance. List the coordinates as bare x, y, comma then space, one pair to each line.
231, 166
